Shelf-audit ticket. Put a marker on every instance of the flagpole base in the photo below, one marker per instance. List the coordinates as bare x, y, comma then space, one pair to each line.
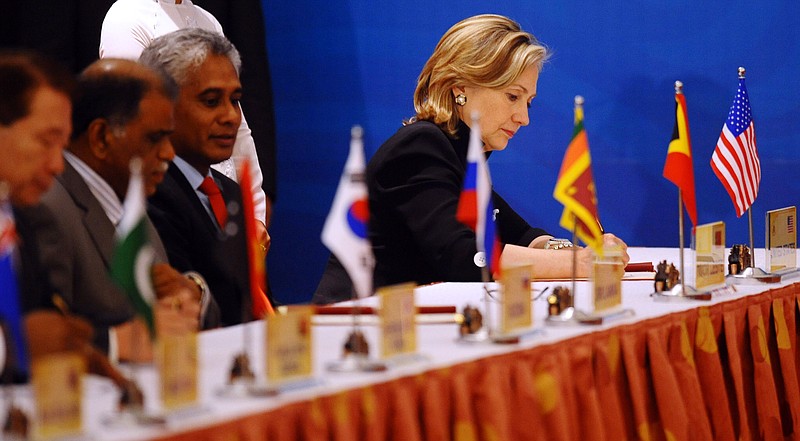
479, 336
145, 418
752, 276
613, 314
514, 337
483, 336
242, 381
247, 388
134, 418
680, 293
572, 316
356, 363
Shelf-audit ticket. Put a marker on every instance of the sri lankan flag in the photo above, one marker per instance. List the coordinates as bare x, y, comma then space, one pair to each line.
678, 167
575, 187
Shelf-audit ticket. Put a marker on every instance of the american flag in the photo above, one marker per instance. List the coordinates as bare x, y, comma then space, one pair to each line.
735, 159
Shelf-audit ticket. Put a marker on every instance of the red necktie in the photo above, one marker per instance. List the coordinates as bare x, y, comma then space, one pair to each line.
209, 187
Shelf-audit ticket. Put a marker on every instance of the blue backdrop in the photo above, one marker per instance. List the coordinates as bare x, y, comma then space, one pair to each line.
335, 64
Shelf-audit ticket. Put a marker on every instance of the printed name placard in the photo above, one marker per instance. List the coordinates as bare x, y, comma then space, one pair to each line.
57, 391
177, 363
607, 272
781, 246
710, 255
398, 329
289, 345
515, 307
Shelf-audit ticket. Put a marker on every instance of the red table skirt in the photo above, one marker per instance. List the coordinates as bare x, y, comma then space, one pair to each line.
727, 371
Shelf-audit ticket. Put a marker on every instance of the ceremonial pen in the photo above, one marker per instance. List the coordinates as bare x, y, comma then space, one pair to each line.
602, 230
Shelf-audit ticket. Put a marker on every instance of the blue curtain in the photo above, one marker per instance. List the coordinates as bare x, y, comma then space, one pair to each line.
356, 62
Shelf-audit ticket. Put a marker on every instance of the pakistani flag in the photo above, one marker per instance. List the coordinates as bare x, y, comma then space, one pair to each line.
133, 257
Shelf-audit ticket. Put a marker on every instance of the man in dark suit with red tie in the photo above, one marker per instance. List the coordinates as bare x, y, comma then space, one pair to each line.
196, 210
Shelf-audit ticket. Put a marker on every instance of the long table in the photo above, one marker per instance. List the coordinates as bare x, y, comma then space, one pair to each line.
722, 369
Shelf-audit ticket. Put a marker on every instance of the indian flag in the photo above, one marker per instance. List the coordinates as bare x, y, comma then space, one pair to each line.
133, 256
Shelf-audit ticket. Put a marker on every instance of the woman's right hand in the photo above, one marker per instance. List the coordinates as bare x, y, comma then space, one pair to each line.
586, 255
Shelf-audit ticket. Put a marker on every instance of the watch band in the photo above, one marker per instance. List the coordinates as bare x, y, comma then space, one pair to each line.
558, 244
205, 295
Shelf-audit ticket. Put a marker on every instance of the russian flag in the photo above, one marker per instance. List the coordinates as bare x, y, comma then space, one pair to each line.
475, 208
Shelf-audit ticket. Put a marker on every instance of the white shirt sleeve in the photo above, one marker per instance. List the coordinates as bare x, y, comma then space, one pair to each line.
245, 148
125, 33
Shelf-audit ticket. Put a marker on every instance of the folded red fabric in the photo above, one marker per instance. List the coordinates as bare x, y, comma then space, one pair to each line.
637, 267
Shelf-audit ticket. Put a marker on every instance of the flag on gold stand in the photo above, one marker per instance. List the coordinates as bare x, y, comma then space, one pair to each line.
735, 159
133, 256
255, 254
345, 229
475, 207
575, 187
678, 167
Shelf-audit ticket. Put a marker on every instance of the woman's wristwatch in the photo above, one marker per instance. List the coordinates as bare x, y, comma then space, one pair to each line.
557, 244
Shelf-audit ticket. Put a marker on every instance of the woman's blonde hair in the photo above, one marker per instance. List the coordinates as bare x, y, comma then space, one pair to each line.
485, 50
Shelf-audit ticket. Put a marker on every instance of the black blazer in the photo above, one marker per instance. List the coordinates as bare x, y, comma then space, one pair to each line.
193, 242
33, 281
415, 180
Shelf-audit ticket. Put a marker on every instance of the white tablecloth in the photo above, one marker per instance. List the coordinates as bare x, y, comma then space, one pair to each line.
436, 342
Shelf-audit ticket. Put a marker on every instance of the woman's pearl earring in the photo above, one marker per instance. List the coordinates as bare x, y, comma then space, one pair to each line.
461, 99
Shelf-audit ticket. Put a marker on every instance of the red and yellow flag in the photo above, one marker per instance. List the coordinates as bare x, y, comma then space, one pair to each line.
678, 168
255, 256
575, 187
